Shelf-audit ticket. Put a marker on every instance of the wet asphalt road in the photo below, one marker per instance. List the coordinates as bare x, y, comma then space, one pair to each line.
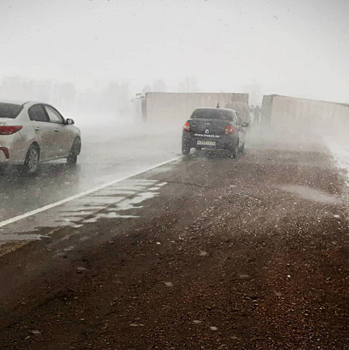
204, 253
107, 155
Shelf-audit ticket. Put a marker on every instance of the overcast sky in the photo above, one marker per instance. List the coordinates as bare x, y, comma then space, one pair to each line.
298, 48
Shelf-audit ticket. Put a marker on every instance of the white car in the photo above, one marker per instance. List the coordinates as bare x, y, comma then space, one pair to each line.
34, 132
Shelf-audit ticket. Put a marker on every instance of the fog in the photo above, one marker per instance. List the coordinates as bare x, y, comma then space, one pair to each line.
89, 58
85, 47
160, 225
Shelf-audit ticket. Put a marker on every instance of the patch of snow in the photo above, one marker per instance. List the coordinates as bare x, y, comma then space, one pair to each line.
340, 153
311, 194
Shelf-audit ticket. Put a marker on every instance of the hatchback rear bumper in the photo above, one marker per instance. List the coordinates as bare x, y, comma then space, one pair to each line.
224, 142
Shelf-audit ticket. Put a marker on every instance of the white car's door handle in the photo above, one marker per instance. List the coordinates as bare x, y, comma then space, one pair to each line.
56, 130
37, 128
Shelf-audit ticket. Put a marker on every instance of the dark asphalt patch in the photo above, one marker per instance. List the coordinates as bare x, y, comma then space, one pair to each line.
224, 258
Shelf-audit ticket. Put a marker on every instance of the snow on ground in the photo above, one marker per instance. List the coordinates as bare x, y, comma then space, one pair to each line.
339, 149
340, 153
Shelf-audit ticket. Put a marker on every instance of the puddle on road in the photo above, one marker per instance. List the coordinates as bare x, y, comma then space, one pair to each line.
311, 194
106, 203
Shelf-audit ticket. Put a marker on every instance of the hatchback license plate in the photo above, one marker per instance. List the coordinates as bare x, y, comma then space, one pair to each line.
206, 143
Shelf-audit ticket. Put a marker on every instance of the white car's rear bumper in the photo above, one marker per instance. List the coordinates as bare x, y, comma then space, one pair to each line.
3, 159
12, 150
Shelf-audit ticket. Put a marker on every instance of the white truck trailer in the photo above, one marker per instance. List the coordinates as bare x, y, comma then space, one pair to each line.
290, 113
173, 107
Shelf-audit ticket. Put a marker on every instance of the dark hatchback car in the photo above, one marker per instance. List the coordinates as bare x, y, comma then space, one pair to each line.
214, 128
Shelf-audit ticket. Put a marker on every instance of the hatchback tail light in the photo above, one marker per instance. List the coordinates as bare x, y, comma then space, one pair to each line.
186, 127
229, 130
9, 130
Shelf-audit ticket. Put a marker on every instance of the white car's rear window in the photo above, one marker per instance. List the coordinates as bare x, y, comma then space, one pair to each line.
9, 110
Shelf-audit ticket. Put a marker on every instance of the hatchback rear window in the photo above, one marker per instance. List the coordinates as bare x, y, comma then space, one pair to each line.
9, 110
212, 114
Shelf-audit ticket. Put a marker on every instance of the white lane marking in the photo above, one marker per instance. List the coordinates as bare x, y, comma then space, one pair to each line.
63, 201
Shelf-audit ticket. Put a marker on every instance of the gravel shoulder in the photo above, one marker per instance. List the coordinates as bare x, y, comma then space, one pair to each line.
233, 254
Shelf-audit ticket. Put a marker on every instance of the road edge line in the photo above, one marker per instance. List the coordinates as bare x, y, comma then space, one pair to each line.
82, 194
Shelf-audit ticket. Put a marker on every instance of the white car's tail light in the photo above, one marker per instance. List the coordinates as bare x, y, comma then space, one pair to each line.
9, 130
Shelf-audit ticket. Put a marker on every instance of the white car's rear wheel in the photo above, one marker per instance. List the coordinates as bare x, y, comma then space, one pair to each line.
72, 159
32, 158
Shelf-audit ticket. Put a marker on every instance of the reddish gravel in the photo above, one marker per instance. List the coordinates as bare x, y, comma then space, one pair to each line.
226, 257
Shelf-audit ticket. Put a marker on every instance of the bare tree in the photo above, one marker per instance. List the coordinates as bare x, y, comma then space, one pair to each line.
147, 88
116, 98
255, 93
159, 86
189, 84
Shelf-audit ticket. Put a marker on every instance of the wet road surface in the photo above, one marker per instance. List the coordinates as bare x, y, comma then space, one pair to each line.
206, 252
105, 157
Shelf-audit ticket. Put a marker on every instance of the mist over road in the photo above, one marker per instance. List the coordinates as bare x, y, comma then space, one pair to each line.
110, 151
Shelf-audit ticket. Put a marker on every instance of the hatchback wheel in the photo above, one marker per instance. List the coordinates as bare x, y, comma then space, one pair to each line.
185, 150
242, 148
31, 164
235, 151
